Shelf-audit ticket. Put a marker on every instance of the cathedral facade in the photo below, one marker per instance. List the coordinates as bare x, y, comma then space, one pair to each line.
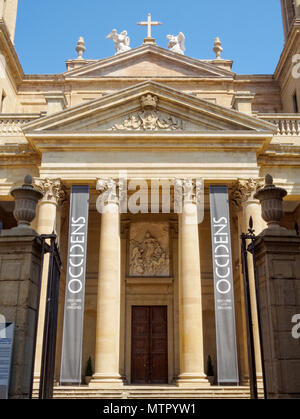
153, 117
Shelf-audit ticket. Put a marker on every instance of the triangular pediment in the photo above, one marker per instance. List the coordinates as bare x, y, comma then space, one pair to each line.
146, 107
148, 61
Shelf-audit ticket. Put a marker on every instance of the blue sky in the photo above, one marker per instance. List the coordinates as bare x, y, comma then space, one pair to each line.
250, 31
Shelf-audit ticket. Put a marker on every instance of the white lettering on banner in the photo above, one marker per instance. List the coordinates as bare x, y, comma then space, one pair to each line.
75, 247
73, 291
222, 266
223, 269
74, 265
77, 236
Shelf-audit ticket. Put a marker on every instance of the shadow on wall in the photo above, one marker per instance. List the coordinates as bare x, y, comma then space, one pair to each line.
6, 215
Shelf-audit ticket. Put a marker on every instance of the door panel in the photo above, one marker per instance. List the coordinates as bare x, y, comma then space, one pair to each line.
149, 363
140, 344
158, 345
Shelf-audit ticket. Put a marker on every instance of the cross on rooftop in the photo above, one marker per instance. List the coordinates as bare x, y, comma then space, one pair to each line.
149, 24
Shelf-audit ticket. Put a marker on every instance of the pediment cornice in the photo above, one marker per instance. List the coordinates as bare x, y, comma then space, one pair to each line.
192, 66
188, 113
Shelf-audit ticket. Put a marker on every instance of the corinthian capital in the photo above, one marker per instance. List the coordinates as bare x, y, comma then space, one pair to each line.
111, 189
186, 190
52, 189
244, 190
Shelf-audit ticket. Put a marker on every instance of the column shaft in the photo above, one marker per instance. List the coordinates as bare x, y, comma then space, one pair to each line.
45, 225
108, 306
190, 300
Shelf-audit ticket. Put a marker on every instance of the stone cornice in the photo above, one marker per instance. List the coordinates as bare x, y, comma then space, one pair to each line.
15, 149
13, 160
275, 160
18, 153
230, 141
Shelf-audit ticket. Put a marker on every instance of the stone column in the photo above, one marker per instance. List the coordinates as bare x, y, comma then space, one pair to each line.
243, 195
107, 355
125, 227
46, 224
190, 299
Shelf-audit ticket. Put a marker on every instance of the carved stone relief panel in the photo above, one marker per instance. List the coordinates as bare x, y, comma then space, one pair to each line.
149, 119
149, 249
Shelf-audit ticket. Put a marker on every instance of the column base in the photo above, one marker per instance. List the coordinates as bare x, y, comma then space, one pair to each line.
245, 381
260, 381
36, 382
192, 380
106, 381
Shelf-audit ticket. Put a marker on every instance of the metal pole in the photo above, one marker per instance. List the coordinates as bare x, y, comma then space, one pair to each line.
44, 365
50, 326
44, 250
250, 338
257, 293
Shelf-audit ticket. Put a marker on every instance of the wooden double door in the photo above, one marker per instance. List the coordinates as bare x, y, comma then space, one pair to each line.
149, 345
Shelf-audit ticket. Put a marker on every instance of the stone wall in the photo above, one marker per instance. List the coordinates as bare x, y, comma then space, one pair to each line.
278, 262
20, 260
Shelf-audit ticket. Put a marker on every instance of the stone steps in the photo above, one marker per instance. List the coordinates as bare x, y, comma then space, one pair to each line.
152, 392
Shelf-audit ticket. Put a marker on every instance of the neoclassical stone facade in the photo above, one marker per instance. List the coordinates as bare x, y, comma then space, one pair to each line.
150, 115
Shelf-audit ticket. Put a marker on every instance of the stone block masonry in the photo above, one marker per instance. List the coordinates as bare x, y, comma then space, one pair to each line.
20, 261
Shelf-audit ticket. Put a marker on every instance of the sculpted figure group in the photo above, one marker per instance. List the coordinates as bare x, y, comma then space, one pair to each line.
176, 43
122, 42
148, 258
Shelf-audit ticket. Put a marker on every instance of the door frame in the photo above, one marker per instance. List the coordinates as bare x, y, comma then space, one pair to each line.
152, 300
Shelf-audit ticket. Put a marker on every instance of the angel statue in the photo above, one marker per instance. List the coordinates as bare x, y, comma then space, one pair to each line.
121, 41
176, 43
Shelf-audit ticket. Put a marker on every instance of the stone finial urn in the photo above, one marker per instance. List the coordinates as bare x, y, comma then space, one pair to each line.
271, 199
26, 198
